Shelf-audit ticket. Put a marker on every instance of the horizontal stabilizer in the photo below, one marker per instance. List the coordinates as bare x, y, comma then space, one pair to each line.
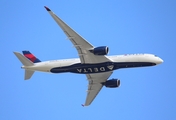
23, 59
28, 74
26, 62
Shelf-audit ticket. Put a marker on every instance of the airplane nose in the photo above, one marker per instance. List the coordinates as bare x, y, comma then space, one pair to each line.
160, 61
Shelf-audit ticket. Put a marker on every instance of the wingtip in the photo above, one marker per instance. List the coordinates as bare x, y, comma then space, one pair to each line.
47, 8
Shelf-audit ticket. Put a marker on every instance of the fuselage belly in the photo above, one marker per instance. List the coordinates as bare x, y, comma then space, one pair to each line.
98, 68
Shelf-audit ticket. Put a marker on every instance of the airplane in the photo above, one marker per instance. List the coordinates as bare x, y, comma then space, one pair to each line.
93, 62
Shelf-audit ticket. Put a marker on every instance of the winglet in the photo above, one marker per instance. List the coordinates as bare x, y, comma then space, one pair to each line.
82, 105
47, 8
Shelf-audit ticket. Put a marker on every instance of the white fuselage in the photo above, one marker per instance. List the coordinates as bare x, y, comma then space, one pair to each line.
120, 61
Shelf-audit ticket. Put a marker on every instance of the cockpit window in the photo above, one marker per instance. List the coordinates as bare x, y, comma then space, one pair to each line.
156, 56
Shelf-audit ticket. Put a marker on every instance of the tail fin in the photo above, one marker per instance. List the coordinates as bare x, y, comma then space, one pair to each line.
31, 57
25, 62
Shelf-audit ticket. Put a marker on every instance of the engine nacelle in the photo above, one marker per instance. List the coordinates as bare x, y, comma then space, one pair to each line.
112, 83
102, 50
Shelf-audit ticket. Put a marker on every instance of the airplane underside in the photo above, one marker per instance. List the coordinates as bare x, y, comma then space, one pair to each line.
97, 56
98, 68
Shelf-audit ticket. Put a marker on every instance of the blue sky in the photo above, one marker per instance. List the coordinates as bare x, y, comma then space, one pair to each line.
129, 26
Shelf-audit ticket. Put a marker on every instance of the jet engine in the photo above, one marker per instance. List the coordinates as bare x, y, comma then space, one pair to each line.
112, 83
102, 50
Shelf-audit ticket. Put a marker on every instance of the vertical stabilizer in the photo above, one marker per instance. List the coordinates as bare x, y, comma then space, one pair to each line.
30, 56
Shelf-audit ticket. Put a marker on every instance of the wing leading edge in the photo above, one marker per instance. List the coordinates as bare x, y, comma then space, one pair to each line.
95, 85
83, 47
80, 43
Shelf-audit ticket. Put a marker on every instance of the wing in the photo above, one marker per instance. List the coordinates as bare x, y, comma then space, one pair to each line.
83, 47
95, 85
80, 43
